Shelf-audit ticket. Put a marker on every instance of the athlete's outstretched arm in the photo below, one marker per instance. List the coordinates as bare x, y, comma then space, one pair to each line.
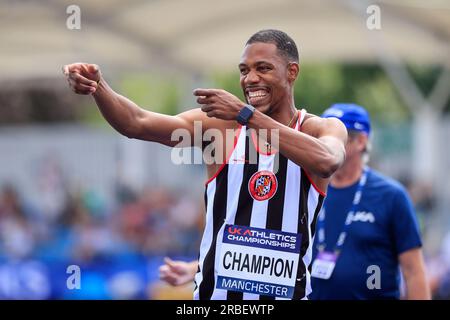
124, 115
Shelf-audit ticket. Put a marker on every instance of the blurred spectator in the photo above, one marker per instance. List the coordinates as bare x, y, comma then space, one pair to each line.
439, 271
424, 201
16, 233
52, 187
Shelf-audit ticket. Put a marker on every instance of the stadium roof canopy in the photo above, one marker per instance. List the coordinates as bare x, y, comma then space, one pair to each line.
197, 36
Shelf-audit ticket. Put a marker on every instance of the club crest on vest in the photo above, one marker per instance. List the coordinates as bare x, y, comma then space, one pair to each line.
262, 185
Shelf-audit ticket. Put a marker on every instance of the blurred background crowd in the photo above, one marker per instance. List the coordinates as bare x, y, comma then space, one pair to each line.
117, 247
74, 192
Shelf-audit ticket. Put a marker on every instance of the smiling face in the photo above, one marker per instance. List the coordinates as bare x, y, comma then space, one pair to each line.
266, 77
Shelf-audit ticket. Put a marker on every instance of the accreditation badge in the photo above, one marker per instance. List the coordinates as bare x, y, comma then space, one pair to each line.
324, 264
258, 261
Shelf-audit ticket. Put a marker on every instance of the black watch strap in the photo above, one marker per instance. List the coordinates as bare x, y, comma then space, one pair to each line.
245, 114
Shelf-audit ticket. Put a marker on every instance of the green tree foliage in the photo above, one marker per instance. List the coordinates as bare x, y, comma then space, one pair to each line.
159, 94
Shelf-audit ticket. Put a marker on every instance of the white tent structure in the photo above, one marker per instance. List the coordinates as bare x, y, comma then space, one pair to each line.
199, 35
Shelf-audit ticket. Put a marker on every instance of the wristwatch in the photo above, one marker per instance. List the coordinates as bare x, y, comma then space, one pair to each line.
245, 114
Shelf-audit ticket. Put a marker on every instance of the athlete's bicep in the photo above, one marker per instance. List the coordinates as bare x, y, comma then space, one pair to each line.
177, 130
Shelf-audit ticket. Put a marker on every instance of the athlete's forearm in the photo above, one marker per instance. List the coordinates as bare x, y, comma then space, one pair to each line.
308, 152
121, 113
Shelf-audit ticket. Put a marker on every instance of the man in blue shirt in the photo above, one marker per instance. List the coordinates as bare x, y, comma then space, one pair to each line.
367, 228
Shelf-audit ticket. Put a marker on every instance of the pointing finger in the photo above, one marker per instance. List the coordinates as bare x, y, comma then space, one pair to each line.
204, 92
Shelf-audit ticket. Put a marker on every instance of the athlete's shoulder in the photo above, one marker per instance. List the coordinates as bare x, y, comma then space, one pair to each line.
312, 119
315, 125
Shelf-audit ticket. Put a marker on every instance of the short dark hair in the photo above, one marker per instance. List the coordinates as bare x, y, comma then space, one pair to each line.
285, 45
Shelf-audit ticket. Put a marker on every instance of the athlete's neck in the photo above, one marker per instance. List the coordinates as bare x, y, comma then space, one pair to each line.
286, 116
349, 173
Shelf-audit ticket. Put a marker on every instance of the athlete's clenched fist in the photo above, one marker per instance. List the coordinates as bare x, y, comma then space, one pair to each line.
83, 78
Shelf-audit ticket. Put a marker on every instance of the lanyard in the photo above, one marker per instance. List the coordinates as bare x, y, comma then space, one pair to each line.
321, 221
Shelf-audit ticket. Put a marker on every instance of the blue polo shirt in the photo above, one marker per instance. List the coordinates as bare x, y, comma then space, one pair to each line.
383, 227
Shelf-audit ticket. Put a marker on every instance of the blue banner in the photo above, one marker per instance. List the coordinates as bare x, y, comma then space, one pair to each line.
262, 238
256, 287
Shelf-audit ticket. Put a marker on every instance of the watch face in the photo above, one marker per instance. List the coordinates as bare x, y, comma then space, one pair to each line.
245, 114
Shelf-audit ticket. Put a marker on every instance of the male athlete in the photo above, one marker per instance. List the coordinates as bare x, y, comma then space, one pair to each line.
257, 241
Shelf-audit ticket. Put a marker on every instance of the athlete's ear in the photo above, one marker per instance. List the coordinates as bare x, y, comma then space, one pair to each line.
293, 70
